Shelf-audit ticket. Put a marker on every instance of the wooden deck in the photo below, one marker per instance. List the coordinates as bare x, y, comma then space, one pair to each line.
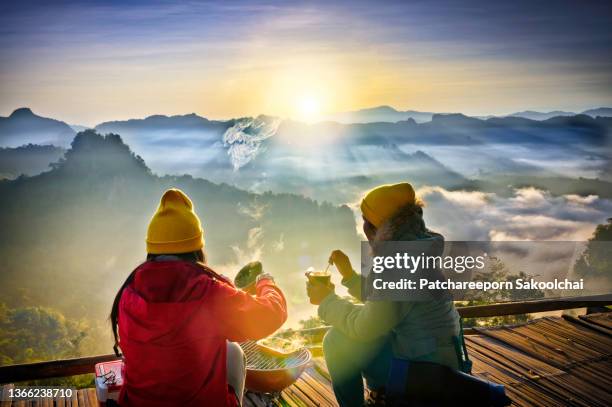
550, 361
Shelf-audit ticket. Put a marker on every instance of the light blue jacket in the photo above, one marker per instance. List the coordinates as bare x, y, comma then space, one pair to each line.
421, 330
418, 330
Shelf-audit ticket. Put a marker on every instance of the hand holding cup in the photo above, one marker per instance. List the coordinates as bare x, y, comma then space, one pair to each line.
318, 286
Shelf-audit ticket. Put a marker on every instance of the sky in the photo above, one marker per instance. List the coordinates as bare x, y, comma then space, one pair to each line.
88, 62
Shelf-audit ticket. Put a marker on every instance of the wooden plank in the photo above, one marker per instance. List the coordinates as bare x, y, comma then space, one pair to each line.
521, 387
593, 389
304, 395
5, 391
74, 400
513, 359
60, 401
545, 345
584, 381
529, 346
587, 324
540, 380
603, 319
321, 368
291, 397
92, 397
82, 398
517, 394
325, 396
322, 387
576, 352
313, 393
579, 332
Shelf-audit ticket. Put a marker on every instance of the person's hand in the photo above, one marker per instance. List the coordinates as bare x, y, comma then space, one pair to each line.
252, 288
264, 276
342, 263
317, 291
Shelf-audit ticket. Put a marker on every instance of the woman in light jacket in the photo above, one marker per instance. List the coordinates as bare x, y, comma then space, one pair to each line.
366, 336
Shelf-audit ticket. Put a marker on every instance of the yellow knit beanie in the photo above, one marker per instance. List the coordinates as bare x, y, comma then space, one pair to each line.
174, 228
382, 202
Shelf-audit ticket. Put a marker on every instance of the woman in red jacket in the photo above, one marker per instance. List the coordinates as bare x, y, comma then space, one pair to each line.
178, 320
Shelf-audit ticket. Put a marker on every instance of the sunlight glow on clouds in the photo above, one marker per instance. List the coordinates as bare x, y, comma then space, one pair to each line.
531, 214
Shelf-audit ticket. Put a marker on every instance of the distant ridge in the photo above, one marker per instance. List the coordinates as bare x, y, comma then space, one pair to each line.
530, 114
158, 121
600, 111
389, 114
533, 115
133, 130
456, 119
23, 126
380, 114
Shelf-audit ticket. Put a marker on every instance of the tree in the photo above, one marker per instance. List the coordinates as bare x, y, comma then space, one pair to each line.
498, 271
33, 334
596, 260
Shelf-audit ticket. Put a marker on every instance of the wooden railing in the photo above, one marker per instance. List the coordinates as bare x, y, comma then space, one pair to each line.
530, 307
71, 367
506, 308
54, 368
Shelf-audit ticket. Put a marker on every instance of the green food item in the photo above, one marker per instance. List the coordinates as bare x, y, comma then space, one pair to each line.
282, 345
248, 274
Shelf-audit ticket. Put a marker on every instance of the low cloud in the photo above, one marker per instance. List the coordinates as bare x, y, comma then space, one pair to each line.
530, 214
244, 139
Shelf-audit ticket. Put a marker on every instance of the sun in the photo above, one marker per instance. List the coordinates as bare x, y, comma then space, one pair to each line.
308, 108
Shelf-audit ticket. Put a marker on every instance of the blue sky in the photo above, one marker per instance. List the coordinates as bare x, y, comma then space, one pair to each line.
91, 61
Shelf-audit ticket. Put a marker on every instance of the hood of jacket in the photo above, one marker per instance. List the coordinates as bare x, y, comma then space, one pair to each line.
408, 225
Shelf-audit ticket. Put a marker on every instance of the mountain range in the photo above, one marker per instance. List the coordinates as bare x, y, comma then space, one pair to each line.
337, 161
530, 114
23, 126
380, 114
390, 114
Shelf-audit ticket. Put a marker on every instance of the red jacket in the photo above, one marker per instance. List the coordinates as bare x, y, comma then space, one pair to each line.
174, 321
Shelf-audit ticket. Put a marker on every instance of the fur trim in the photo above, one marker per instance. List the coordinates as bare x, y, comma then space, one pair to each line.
406, 224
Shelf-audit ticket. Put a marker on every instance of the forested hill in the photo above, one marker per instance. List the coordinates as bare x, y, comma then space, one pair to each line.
27, 160
70, 236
